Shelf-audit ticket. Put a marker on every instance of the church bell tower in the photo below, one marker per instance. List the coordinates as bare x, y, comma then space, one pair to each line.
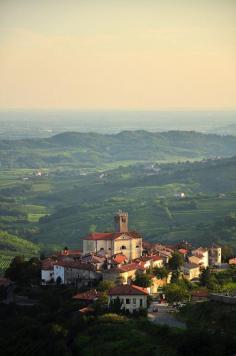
121, 221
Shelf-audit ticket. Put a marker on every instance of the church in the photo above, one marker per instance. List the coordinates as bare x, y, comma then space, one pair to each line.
129, 243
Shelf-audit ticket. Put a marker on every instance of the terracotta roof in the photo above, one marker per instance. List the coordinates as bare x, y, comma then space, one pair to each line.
110, 235
194, 259
128, 267
47, 264
119, 258
89, 295
156, 258
75, 265
127, 289
183, 251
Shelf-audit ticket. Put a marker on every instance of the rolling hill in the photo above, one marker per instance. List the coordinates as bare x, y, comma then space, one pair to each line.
92, 149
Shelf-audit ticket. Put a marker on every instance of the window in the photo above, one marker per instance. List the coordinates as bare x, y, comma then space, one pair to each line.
109, 249
127, 301
134, 300
137, 246
123, 247
141, 302
101, 249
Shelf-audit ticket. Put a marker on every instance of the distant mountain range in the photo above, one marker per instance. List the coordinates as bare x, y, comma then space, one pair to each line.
225, 130
92, 149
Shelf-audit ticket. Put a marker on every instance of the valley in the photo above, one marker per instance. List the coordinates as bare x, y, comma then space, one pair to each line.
53, 205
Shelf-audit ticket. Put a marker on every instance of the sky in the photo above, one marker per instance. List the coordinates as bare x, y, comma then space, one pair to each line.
118, 54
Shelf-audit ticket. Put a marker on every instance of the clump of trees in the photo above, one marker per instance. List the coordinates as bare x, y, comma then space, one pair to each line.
24, 272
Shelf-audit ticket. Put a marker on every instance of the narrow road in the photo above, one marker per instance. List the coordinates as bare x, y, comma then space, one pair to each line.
164, 316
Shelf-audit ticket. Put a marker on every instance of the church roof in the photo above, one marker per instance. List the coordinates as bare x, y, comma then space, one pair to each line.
110, 235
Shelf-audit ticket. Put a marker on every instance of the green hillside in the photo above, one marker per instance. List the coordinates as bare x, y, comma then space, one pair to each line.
11, 245
59, 206
93, 150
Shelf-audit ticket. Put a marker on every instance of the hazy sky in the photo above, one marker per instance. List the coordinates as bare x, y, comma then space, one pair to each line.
118, 54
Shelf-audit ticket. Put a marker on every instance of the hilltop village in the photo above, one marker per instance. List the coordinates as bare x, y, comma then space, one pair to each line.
131, 265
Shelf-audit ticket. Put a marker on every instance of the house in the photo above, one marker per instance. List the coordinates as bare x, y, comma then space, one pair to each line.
47, 270
131, 297
232, 261
70, 255
112, 243
202, 253
124, 273
215, 255
190, 271
150, 261
76, 273
96, 260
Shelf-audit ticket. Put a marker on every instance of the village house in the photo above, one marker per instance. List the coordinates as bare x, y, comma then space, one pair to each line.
150, 261
202, 254
232, 261
125, 273
47, 271
131, 297
190, 271
76, 273
112, 243
214, 255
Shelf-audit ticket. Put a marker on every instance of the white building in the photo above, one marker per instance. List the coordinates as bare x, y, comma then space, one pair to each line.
47, 271
131, 297
75, 273
202, 254
112, 243
214, 255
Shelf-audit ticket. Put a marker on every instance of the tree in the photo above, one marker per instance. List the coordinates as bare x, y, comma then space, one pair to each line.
175, 276
161, 273
143, 280
175, 292
24, 272
115, 305
176, 261
209, 280
104, 286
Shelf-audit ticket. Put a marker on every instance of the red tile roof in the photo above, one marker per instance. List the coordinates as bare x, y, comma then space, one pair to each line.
127, 289
156, 258
183, 251
89, 295
110, 235
128, 267
75, 265
47, 264
119, 259
69, 253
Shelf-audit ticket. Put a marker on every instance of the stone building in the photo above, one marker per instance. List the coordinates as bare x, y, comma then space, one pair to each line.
129, 243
